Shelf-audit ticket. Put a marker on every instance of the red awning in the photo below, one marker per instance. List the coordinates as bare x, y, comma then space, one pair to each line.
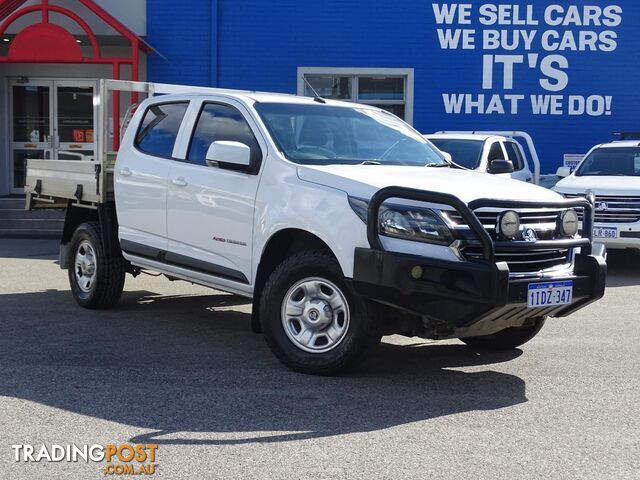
47, 42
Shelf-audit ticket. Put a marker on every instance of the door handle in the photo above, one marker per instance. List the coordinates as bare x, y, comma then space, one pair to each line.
125, 172
179, 182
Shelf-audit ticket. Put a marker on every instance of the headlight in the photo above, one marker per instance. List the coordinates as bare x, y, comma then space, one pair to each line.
572, 195
508, 224
569, 222
418, 224
407, 222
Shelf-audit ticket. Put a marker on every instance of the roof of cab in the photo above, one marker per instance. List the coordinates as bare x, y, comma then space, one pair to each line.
260, 97
620, 143
463, 136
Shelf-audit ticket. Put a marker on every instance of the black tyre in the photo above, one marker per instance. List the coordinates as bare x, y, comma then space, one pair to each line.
96, 279
508, 338
312, 320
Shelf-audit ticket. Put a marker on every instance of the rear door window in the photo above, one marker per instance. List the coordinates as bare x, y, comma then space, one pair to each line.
513, 152
159, 128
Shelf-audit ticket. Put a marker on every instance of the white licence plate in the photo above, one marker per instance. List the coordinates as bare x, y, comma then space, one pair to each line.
605, 232
550, 293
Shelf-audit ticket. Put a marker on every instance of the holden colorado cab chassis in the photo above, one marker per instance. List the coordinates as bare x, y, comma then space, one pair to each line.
324, 214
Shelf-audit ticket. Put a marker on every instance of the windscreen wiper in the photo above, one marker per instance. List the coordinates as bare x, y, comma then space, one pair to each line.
437, 165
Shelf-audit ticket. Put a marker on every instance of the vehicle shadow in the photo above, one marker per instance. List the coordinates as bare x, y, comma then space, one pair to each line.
623, 268
189, 369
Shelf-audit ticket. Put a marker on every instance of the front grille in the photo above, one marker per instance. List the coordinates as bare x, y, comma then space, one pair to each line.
615, 208
617, 217
543, 221
531, 218
523, 261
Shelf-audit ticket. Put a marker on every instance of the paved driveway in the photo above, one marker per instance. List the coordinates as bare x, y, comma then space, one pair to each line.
177, 365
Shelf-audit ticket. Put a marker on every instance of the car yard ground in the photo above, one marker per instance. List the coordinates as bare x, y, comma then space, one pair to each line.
177, 365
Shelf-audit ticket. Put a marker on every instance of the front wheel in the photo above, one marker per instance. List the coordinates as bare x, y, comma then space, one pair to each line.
96, 279
312, 320
508, 338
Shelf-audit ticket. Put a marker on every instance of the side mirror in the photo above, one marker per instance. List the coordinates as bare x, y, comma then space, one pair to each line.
447, 155
563, 172
500, 166
225, 153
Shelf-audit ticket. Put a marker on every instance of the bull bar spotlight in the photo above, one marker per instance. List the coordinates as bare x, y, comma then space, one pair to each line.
569, 222
508, 224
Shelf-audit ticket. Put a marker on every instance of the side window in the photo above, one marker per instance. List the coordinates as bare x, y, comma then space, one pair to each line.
513, 152
495, 152
221, 122
159, 128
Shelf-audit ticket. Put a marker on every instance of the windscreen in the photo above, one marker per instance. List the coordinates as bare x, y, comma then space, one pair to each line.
326, 134
616, 161
465, 153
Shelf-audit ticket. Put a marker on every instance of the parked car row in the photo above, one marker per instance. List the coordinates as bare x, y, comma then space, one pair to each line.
609, 171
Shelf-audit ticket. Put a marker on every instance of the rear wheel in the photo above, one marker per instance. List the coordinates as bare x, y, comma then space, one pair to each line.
508, 338
96, 280
312, 320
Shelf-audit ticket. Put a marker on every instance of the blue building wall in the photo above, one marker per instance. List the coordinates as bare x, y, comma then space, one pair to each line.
184, 36
258, 44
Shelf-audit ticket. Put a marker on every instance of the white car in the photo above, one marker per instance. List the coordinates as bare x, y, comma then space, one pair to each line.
611, 172
340, 221
485, 153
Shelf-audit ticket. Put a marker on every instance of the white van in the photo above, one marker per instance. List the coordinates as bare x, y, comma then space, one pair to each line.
488, 153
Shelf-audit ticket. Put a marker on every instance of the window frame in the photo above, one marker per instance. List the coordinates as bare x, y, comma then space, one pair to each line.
251, 170
175, 142
355, 73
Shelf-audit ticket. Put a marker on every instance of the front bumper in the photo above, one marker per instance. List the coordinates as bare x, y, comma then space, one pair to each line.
628, 235
459, 294
452, 296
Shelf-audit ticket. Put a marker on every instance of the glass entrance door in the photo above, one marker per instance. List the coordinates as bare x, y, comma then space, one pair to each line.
31, 126
51, 119
75, 119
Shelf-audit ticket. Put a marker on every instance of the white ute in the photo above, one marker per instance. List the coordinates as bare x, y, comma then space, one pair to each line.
487, 152
611, 172
339, 220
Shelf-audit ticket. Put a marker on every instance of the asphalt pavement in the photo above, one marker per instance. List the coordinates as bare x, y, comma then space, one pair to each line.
177, 365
